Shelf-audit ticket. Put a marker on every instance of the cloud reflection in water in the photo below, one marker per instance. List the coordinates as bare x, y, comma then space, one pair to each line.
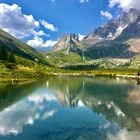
13, 118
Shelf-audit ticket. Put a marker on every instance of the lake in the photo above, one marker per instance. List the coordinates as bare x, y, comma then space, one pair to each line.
70, 108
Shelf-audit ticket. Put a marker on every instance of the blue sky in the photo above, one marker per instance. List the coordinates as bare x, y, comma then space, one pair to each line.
41, 22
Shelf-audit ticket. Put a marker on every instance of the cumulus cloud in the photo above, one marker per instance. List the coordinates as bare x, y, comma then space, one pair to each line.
106, 14
125, 4
48, 26
20, 25
35, 42
13, 21
49, 43
39, 42
83, 1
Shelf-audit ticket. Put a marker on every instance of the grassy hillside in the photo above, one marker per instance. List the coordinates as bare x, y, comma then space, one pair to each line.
18, 47
20, 61
61, 58
23, 69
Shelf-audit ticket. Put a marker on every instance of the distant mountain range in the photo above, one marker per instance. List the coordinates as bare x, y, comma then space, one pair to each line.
118, 39
113, 28
115, 44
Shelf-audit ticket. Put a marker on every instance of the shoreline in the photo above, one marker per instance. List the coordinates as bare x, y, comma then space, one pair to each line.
128, 76
18, 80
30, 79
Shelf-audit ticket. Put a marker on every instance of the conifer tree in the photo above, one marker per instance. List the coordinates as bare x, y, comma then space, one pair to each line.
3, 53
11, 58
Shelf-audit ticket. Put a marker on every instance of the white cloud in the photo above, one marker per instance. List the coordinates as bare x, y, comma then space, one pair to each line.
20, 25
106, 14
48, 26
83, 1
35, 42
48, 114
49, 43
40, 33
37, 99
13, 21
39, 42
125, 4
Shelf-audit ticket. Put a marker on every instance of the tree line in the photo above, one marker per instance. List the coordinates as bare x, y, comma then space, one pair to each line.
7, 56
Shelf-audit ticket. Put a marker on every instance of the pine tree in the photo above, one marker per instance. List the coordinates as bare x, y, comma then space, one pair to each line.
12, 58
3, 53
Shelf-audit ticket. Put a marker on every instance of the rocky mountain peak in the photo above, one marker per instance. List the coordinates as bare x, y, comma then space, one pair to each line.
113, 28
128, 17
66, 41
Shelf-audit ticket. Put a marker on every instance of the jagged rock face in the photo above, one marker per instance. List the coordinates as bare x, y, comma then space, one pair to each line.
110, 31
118, 39
113, 28
128, 17
67, 41
132, 31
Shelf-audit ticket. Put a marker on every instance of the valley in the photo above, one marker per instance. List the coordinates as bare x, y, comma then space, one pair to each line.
112, 49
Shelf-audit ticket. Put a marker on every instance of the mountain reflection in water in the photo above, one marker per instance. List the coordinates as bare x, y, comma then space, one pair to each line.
70, 109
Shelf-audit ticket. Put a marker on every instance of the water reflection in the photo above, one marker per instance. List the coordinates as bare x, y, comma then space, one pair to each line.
71, 108
26, 111
123, 134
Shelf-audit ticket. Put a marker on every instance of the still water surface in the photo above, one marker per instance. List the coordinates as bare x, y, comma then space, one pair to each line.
70, 109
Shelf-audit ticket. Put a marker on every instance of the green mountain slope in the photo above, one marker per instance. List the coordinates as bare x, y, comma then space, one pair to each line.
19, 61
18, 47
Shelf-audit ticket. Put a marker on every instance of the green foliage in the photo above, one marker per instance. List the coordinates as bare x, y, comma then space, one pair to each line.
10, 66
3, 53
22, 68
11, 44
61, 58
12, 58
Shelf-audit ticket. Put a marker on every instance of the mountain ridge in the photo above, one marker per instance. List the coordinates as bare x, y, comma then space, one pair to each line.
117, 39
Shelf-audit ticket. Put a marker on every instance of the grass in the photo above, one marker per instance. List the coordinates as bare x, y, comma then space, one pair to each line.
18, 47
23, 70
59, 58
27, 70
